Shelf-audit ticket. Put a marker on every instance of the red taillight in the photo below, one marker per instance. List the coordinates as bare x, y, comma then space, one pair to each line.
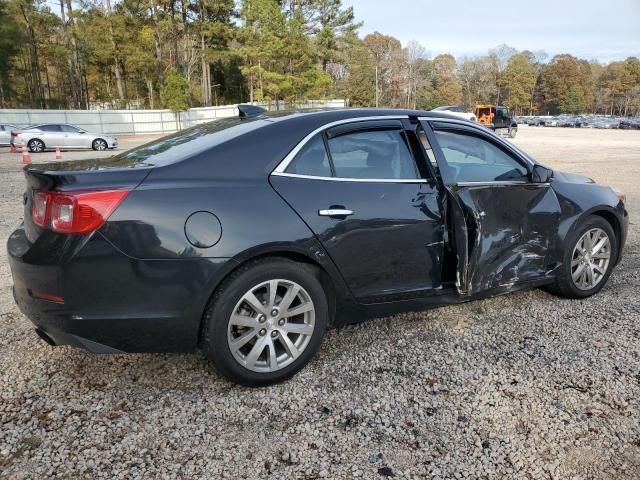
75, 212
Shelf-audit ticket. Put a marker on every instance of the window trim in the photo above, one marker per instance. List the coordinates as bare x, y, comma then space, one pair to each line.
284, 163
347, 179
280, 169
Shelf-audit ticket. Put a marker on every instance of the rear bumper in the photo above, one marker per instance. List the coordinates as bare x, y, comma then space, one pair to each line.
111, 302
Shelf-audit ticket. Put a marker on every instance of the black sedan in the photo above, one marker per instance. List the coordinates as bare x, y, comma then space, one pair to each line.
248, 237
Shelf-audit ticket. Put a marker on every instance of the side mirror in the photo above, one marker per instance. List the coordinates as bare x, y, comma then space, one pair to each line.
541, 174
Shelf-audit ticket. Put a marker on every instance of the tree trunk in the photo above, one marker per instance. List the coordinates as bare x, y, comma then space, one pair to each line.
79, 92
377, 97
251, 87
158, 45
35, 64
150, 90
2, 101
46, 74
206, 73
116, 60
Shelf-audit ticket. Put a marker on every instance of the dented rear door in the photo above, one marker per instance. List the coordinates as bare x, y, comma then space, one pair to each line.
504, 227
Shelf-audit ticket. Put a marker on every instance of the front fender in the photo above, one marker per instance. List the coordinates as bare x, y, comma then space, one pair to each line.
581, 200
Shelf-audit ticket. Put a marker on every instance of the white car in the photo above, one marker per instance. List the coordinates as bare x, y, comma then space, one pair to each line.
48, 136
456, 110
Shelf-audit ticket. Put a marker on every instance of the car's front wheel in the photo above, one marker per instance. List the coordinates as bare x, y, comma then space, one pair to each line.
588, 260
513, 131
266, 321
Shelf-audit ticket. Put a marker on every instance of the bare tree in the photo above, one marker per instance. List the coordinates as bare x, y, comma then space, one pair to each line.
414, 54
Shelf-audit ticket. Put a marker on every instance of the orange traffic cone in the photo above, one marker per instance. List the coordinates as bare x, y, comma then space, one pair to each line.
13, 148
25, 155
58, 154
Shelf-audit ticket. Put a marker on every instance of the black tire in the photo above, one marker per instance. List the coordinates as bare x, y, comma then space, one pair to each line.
224, 300
99, 145
564, 285
36, 145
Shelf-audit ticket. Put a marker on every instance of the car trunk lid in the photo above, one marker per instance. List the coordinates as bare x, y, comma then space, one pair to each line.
77, 176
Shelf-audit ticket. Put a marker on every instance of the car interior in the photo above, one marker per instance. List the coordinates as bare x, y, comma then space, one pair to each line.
377, 154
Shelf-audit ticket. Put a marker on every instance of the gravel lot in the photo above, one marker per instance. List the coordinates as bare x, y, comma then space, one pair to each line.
520, 386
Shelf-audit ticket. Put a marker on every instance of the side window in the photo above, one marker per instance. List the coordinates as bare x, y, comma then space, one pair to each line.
311, 160
69, 129
50, 128
375, 154
473, 159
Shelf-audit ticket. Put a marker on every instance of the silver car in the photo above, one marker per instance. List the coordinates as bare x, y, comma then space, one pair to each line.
457, 111
5, 133
48, 136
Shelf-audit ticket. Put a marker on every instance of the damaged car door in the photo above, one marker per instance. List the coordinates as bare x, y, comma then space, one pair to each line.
360, 190
504, 214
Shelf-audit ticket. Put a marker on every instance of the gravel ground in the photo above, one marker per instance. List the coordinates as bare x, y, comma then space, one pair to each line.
520, 386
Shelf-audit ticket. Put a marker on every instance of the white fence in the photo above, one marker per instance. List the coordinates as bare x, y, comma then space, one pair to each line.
136, 122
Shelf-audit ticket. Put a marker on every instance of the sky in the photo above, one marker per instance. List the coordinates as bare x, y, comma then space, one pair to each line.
603, 30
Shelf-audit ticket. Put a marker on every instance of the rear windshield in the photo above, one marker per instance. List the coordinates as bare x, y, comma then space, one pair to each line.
185, 143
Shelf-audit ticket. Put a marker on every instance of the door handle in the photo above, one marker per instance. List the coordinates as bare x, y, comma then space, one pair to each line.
335, 212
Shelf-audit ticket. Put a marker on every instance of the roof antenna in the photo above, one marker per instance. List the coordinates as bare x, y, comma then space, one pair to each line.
250, 111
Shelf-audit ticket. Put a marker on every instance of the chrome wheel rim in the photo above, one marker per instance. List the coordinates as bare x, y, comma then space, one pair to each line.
590, 259
37, 146
101, 145
271, 325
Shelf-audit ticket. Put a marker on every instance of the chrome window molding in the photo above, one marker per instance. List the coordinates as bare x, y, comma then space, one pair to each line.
282, 166
346, 179
501, 182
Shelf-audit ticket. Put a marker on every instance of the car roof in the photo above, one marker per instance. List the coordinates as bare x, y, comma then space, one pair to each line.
329, 115
256, 143
52, 123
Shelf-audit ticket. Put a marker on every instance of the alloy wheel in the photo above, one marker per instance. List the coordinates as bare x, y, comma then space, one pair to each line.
36, 146
590, 259
100, 145
271, 325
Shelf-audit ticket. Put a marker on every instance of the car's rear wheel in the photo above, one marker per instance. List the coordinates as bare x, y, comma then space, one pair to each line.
99, 145
35, 145
266, 322
588, 260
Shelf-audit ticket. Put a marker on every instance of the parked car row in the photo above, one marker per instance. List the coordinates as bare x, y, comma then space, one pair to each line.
582, 121
48, 136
